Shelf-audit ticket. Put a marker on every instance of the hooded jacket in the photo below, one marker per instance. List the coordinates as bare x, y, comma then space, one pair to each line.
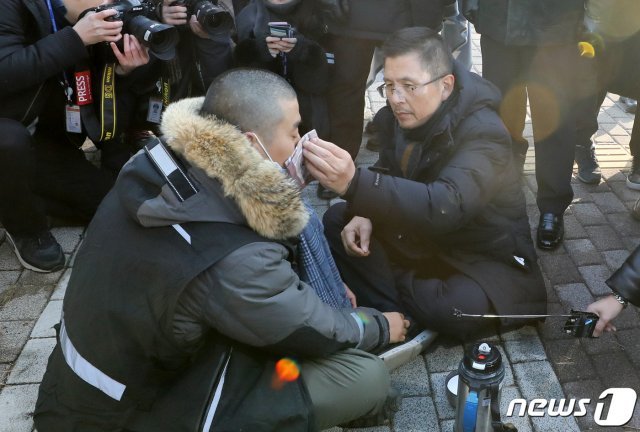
460, 199
189, 295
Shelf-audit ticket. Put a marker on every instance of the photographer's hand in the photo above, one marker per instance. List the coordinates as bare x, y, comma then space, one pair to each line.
93, 28
329, 164
197, 28
173, 15
273, 44
132, 56
287, 44
356, 236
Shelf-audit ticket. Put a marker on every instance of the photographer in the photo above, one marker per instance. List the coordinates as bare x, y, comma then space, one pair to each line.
300, 59
42, 170
200, 56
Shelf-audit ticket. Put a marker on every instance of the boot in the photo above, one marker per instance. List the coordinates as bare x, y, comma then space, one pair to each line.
588, 168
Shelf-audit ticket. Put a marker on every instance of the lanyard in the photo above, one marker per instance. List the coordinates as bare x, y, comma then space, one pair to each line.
68, 91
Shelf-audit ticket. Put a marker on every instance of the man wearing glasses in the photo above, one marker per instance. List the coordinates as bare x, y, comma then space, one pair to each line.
439, 223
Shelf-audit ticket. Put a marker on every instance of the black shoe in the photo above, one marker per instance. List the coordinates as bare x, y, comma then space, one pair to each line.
588, 168
633, 179
373, 144
630, 105
325, 194
40, 253
550, 231
384, 416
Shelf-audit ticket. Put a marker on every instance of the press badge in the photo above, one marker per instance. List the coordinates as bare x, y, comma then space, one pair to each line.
74, 123
154, 112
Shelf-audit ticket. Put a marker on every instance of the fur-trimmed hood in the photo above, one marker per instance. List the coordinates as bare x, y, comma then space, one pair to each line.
235, 183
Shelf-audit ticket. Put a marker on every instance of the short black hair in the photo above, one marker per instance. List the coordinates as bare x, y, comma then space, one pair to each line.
428, 44
248, 99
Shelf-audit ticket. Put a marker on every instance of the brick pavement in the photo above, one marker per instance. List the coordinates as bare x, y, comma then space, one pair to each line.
541, 362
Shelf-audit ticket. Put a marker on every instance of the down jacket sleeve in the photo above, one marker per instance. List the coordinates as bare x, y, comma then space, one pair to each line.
626, 280
254, 296
463, 188
24, 64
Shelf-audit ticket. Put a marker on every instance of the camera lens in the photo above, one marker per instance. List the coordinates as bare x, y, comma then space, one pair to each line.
160, 38
214, 19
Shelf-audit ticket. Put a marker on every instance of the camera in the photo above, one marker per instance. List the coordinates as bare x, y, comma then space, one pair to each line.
160, 38
214, 18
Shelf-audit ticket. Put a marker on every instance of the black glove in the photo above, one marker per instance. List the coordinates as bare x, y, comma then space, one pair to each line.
337, 10
470, 10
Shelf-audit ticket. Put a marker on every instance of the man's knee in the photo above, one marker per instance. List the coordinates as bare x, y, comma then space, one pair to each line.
373, 377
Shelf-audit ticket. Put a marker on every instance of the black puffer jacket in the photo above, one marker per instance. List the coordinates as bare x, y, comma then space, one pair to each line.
32, 59
377, 19
460, 200
527, 22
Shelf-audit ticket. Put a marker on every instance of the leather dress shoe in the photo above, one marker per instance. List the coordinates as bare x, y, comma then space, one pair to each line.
550, 231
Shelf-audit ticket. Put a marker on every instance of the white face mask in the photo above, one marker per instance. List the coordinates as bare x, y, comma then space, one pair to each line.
264, 149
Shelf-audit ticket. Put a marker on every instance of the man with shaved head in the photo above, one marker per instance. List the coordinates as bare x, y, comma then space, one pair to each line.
184, 310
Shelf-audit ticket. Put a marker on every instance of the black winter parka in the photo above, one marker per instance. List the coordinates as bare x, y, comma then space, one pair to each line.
461, 199
32, 59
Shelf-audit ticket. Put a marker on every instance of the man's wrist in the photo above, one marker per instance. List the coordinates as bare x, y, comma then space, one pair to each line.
620, 299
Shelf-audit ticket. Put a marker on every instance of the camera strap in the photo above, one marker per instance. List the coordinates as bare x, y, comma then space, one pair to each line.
99, 122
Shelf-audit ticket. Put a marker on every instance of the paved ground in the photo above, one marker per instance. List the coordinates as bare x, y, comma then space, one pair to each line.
541, 362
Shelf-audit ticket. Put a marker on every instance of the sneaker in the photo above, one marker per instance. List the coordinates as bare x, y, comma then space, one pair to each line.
588, 168
40, 253
630, 105
402, 353
384, 416
633, 179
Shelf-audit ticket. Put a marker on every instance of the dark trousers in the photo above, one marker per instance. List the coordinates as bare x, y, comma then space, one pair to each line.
426, 291
548, 76
45, 174
347, 90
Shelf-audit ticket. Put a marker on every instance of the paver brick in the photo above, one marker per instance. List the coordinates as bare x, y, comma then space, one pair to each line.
7, 279
525, 350
624, 374
13, 336
574, 296
608, 202
572, 228
615, 258
630, 341
32, 362
588, 214
68, 237
8, 260
604, 237
26, 305
585, 389
560, 269
595, 277
624, 224
443, 408
607, 343
570, 360
551, 328
16, 405
582, 251
412, 379
418, 414
443, 359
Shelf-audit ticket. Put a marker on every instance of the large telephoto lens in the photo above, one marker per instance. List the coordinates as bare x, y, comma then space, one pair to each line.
160, 38
215, 19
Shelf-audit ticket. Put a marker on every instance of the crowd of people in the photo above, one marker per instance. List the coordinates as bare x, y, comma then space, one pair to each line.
207, 294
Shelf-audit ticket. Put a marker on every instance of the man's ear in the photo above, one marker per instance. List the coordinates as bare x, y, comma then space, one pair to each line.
448, 83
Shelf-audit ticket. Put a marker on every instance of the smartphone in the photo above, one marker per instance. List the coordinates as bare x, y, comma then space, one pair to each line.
280, 29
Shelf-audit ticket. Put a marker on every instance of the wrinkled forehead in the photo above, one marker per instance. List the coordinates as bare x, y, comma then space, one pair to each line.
406, 67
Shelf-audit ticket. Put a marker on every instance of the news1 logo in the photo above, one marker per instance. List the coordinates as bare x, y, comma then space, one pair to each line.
622, 402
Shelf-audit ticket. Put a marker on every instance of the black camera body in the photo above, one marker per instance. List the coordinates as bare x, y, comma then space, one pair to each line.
137, 20
214, 18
